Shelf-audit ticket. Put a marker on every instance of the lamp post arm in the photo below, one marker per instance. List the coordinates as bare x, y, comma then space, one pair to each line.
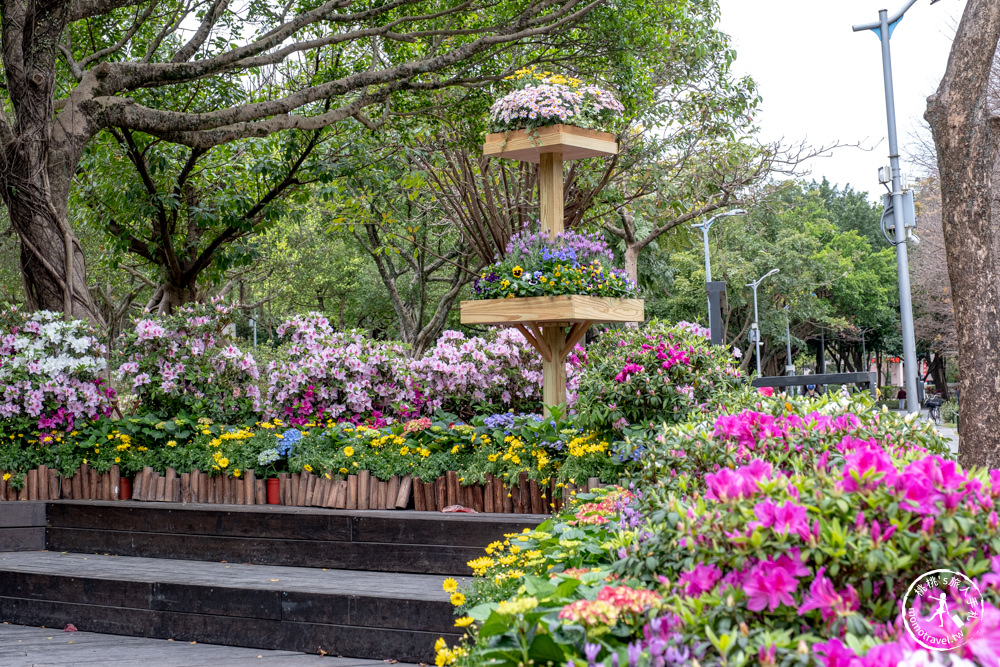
878, 24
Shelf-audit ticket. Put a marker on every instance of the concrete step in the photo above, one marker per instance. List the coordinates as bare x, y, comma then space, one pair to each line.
374, 540
374, 615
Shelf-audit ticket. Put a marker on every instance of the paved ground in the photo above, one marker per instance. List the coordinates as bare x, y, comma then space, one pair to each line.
22, 646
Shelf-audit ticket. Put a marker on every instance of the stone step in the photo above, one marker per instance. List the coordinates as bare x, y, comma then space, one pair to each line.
23, 646
374, 615
387, 541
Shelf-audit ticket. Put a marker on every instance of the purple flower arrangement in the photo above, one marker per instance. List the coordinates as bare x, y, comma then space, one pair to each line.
571, 263
544, 98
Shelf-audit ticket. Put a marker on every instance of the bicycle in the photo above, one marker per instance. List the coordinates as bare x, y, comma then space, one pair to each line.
934, 410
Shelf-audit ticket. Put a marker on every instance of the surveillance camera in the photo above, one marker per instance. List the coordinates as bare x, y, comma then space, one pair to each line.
914, 239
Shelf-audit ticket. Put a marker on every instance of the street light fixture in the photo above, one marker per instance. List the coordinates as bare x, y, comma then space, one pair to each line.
884, 28
756, 326
704, 227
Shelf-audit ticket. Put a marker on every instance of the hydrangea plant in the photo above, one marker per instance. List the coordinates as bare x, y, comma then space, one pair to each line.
544, 98
571, 263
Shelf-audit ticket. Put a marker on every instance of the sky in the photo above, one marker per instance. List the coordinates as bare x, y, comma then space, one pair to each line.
822, 83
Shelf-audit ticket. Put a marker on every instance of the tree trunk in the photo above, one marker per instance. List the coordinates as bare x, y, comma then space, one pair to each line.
965, 136
632, 262
936, 370
45, 239
39, 157
169, 296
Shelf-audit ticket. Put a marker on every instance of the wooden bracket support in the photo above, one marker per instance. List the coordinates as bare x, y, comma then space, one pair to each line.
534, 337
576, 334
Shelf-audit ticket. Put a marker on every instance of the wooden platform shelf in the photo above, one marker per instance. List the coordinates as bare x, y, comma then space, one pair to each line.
543, 310
574, 143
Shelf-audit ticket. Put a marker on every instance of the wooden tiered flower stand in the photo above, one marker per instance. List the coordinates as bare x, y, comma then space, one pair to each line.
552, 325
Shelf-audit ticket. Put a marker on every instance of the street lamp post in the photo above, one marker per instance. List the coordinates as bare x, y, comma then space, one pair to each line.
788, 343
884, 28
756, 321
704, 227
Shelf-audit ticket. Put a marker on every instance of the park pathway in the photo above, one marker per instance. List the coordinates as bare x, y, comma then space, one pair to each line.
23, 646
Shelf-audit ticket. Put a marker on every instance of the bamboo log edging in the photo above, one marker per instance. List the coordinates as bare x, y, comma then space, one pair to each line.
306, 489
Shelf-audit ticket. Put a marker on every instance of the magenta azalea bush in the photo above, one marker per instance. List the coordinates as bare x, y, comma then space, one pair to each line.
185, 364
335, 375
660, 372
795, 547
50, 373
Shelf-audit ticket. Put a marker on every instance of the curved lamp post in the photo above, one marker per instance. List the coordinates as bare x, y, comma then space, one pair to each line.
884, 28
704, 227
756, 325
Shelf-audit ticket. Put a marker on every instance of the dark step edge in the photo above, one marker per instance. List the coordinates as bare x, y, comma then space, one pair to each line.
355, 609
408, 558
350, 641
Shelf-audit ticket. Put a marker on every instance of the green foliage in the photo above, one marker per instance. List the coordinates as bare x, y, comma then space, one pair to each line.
833, 271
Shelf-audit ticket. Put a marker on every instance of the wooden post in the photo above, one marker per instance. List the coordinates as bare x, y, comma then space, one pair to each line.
550, 192
403, 497
250, 482
553, 369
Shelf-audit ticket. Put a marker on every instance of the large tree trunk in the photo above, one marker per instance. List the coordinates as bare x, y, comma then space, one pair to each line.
965, 135
47, 242
39, 156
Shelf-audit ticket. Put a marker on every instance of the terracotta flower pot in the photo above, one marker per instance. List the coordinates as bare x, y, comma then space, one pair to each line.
273, 491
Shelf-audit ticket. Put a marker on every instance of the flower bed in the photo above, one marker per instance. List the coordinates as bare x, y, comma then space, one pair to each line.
794, 544
570, 263
498, 463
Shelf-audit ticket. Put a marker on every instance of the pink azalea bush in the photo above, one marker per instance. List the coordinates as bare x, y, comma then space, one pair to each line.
50, 373
756, 553
660, 372
500, 369
337, 375
811, 527
185, 364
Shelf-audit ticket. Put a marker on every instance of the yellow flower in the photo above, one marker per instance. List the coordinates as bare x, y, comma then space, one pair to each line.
172, 443
457, 599
517, 271
404, 451
223, 462
348, 451
307, 468
118, 459
464, 621
343, 471
236, 472
449, 585
6, 476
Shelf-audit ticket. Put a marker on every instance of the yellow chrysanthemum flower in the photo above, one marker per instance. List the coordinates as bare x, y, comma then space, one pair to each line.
449, 585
